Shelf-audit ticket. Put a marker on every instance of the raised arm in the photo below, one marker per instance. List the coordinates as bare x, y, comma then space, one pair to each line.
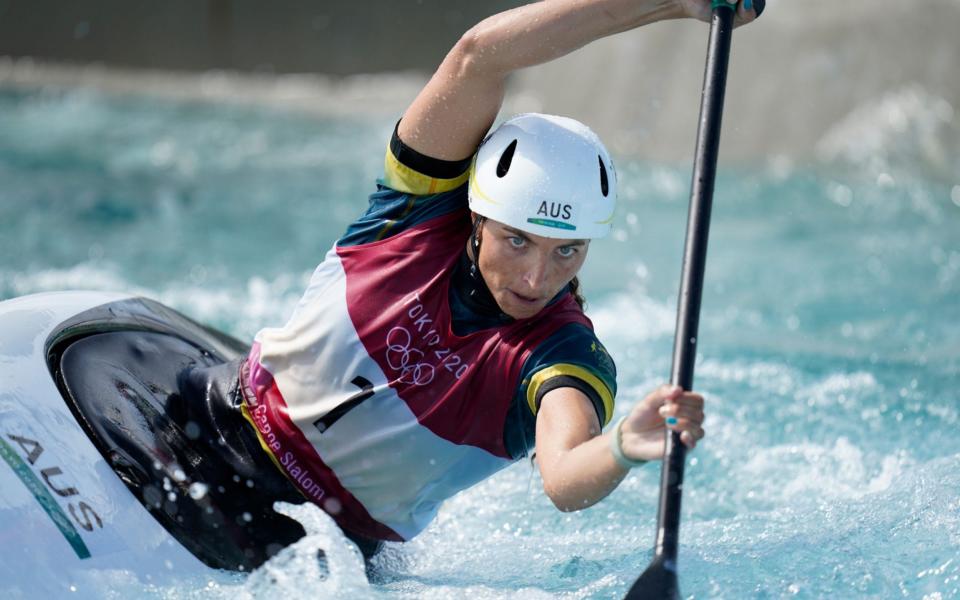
449, 117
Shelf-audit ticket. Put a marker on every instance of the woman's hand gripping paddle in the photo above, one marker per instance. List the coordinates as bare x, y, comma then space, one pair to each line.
659, 581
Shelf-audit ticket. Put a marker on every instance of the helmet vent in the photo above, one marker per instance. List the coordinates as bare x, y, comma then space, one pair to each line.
604, 183
506, 158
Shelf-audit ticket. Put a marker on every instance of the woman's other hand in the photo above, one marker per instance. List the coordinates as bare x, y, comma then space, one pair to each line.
747, 11
667, 406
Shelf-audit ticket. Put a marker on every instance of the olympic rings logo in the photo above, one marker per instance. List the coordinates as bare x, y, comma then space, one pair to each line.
409, 361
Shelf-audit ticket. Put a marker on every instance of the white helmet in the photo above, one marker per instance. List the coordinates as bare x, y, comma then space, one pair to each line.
545, 175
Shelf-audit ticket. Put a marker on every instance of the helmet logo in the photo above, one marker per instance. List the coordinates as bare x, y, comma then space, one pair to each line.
506, 158
552, 223
555, 210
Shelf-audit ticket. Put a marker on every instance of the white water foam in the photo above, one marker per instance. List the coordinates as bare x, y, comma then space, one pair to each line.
295, 572
852, 544
906, 127
243, 309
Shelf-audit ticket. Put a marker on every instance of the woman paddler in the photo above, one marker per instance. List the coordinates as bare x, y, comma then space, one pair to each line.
443, 336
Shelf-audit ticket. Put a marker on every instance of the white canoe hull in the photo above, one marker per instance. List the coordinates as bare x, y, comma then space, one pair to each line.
64, 513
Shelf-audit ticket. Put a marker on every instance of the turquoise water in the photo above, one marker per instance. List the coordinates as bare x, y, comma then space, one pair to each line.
830, 344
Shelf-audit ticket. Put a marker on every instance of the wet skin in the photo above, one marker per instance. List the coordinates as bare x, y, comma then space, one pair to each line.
525, 271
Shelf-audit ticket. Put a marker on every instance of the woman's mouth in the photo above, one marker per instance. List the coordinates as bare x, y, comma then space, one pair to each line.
524, 299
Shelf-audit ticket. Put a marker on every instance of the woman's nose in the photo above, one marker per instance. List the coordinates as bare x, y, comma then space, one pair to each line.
535, 274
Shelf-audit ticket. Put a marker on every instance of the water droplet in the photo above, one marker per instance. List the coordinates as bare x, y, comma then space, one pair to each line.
192, 430
198, 490
840, 194
641, 271
332, 506
247, 517
152, 496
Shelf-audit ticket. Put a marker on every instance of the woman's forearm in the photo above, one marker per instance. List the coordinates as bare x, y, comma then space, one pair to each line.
537, 33
455, 109
577, 462
584, 475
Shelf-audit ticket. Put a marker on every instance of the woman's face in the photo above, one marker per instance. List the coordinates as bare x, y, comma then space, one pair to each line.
525, 271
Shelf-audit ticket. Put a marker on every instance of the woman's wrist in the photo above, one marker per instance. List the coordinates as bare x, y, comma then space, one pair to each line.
616, 447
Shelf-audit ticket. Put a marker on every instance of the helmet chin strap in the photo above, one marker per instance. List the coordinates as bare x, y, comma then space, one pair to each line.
475, 248
478, 292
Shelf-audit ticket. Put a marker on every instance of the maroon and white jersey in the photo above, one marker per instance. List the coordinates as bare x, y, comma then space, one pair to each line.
369, 401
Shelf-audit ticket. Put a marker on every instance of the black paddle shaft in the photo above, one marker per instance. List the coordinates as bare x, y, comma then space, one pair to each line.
694, 263
660, 579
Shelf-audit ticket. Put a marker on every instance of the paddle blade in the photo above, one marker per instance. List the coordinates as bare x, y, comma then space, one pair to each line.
658, 582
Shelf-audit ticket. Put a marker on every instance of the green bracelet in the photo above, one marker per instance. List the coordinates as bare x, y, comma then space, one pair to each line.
722, 4
617, 449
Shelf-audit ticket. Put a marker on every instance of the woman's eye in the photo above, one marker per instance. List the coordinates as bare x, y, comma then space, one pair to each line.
566, 251
516, 242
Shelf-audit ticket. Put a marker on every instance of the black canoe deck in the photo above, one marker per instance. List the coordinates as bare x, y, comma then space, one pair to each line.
156, 393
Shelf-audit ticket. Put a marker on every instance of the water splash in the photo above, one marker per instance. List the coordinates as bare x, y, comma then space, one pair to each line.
323, 563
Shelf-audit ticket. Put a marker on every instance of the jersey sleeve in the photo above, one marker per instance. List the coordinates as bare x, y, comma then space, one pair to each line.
414, 189
408, 171
570, 357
